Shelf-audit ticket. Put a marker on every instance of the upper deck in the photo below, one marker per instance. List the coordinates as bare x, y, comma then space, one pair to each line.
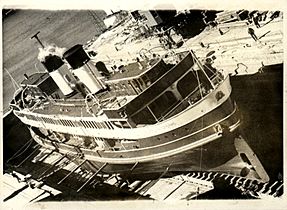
157, 92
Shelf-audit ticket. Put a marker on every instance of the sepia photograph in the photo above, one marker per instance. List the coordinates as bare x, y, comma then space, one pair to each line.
162, 103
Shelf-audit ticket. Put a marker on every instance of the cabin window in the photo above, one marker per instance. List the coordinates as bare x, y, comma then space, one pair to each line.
110, 142
111, 125
143, 117
146, 80
89, 124
136, 85
63, 122
46, 120
142, 83
67, 122
73, 123
70, 123
187, 84
43, 118
131, 87
93, 124
82, 123
163, 104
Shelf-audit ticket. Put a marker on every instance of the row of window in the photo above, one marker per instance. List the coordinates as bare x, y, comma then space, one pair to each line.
70, 123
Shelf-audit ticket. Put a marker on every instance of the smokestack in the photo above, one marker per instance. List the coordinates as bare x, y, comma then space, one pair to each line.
51, 58
83, 68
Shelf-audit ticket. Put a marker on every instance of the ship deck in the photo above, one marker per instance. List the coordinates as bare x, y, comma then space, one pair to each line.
131, 70
76, 105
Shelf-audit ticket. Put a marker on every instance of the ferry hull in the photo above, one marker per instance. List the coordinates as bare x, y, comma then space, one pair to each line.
203, 158
207, 150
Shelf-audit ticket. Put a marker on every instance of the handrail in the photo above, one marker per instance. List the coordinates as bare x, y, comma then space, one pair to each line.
187, 97
183, 100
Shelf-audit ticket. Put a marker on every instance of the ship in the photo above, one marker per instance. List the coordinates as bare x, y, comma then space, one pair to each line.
153, 113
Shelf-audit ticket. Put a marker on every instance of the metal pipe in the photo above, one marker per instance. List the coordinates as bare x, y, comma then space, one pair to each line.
98, 171
20, 150
28, 156
134, 166
59, 160
174, 190
71, 172
50, 153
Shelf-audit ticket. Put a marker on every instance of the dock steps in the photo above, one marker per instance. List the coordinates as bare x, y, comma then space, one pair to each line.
184, 186
189, 186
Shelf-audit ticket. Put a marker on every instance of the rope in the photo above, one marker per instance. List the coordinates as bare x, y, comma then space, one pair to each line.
17, 155
200, 161
59, 167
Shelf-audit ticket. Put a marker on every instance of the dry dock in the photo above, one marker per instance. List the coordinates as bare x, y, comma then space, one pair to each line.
259, 96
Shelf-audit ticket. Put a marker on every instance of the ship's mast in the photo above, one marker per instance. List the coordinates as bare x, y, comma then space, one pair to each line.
199, 64
37, 38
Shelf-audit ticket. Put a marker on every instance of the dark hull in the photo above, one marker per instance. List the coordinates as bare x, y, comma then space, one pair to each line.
204, 149
204, 158
207, 157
